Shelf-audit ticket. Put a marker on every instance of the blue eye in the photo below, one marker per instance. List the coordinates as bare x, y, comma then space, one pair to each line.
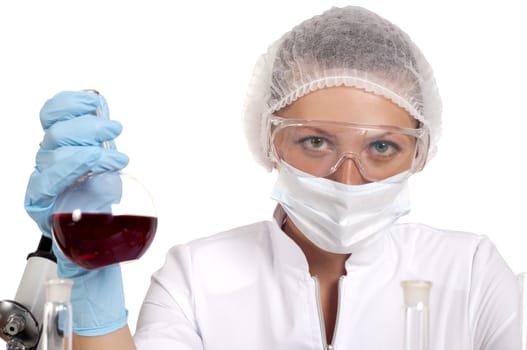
384, 147
381, 146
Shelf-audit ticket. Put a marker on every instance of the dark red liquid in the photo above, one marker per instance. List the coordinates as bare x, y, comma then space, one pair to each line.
96, 240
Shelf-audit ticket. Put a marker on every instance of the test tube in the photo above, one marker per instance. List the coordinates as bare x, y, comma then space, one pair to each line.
523, 304
58, 319
416, 294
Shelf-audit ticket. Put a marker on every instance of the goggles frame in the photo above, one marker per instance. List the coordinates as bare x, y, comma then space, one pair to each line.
421, 133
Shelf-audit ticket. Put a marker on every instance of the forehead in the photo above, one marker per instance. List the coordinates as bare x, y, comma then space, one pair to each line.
350, 105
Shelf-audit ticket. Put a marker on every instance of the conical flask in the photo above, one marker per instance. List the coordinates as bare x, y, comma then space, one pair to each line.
416, 294
58, 318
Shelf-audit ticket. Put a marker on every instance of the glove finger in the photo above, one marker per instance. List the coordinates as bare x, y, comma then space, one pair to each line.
53, 177
85, 130
68, 105
108, 160
47, 182
45, 185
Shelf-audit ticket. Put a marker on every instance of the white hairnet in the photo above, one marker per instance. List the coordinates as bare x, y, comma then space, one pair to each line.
348, 46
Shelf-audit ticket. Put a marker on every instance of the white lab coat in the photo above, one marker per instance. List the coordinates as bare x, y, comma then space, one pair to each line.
250, 289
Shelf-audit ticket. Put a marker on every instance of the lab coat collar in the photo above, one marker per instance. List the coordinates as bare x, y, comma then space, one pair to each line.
287, 252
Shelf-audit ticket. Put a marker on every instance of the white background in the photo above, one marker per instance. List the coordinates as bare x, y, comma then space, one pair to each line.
175, 74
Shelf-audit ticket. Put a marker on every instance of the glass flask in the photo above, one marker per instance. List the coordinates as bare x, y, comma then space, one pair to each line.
58, 319
103, 219
416, 295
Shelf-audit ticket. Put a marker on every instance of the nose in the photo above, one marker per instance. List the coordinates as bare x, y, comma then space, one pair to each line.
348, 173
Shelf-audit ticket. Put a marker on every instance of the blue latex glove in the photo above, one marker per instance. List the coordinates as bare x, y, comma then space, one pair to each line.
72, 147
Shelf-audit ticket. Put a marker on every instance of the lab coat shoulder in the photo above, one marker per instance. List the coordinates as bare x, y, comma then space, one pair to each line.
470, 264
210, 265
423, 235
227, 260
223, 260
421, 242
469, 257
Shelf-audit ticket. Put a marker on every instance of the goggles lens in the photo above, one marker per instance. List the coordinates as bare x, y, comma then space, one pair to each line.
319, 147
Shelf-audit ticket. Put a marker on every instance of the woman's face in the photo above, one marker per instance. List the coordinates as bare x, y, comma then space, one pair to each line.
352, 105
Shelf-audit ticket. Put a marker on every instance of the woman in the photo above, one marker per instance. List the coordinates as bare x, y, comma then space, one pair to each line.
345, 108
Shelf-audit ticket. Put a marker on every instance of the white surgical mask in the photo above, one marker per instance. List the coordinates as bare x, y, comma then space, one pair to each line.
338, 217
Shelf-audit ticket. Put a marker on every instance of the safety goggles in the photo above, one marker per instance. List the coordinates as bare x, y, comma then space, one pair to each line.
320, 147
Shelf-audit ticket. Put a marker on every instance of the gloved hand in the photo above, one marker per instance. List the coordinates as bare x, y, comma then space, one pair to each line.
72, 147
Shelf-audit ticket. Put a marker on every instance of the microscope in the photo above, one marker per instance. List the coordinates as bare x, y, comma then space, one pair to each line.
21, 318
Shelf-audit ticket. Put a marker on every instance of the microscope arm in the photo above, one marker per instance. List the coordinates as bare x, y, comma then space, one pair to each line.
21, 318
